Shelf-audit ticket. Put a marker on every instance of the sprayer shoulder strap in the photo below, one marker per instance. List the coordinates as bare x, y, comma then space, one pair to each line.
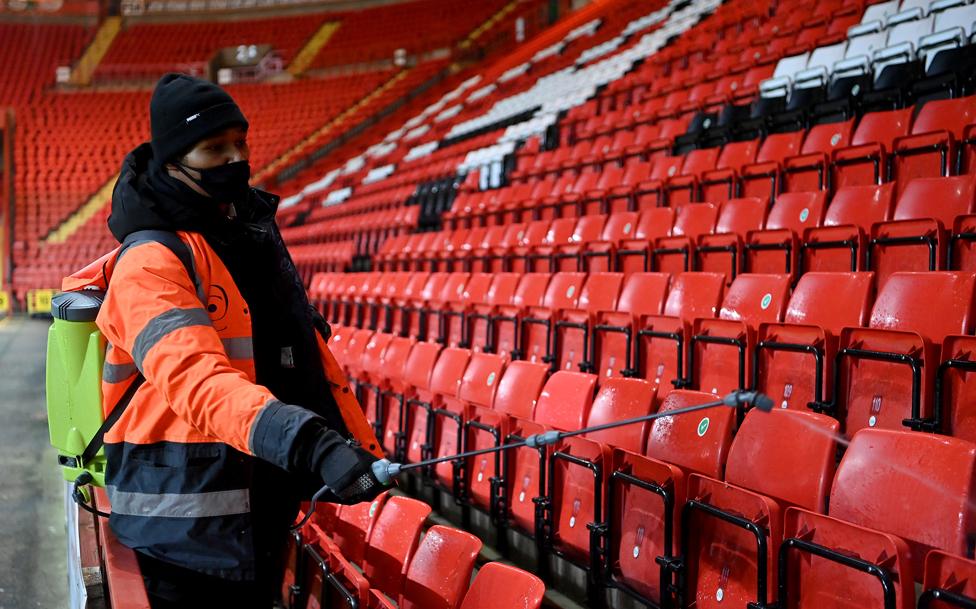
182, 251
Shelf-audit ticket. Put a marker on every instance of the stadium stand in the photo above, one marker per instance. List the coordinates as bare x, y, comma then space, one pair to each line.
646, 206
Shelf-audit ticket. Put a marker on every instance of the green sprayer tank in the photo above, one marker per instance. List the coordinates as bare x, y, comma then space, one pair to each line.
75, 356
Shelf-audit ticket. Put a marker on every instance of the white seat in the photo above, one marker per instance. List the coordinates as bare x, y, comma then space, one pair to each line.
940, 5
788, 66
911, 4
911, 14
910, 32
880, 11
929, 46
864, 46
853, 66
959, 16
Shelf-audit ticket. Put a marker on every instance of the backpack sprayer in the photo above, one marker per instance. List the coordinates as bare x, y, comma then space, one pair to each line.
385, 471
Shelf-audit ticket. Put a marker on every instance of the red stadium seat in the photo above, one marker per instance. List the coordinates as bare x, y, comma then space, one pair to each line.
776, 248
498, 585
573, 331
721, 252
675, 253
476, 321
440, 571
950, 581
841, 243
865, 160
933, 148
537, 327
614, 334
392, 543
505, 323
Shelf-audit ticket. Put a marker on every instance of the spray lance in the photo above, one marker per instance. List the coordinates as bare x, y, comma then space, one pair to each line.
386, 471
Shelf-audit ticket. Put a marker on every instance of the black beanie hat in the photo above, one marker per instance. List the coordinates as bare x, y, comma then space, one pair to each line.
184, 110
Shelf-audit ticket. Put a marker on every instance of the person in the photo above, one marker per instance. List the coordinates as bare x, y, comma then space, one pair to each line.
243, 411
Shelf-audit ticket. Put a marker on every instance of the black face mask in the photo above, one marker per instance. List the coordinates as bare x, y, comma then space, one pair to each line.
228, 183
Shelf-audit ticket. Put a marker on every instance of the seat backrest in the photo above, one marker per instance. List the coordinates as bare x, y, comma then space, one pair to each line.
940, 198
738, 216
882, 127
797, 210
907, 301
440, 571
531, 290
481, 379
620, 225
453, 288
498, 585
778, 146
827, 137
513, 234
699, 161
502, 289
861, 205
827, 56
831, 300
952, 115
373, 354
565, 400
476, 290
519, 389
564, 290
695, 219
865, 44
392, 542
415, 284
788, 455
600, 292
697, 442
560, 231
535, 233
636, 171
588, 228
393, 362
434, 286
695, 295
755, 298
420, 365
655, 222
618, 399
918, 486
946, 571
445, 378
644, 293
666, 167
736, 154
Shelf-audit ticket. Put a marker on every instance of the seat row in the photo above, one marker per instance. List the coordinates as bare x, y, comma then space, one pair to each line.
929, 226
833, 344
380, 555
689, 510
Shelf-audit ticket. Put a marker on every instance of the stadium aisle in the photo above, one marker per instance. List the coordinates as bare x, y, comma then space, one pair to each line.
32, 538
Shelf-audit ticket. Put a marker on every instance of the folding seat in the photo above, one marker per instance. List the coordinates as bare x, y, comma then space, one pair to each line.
331, 580
621, 197
751, 300
564, 404
440, 571
865, 161
547, 203
793, 360
538, 326
953, 412
579, 472
917, 237
594, 201
872, 544
505, 323
392, 542
932, 149
451, 316
387, 291
434, 308
722, 183
447, 414
763, 178
414, 312
721, 251
418, 259
646, 492
598, 254
809, 170
369, 385
733, 528
538, 258
884, 374
573, 330
675, 253
498, 585
612, 345
840, 244
650, 192
683, 187
949, 581
492, 259
438, 394
476, 318
471, 254
352, 527
634, 254
776, 248
410, 396
339, 342
518, 389
568, 257
399, 311
662, 340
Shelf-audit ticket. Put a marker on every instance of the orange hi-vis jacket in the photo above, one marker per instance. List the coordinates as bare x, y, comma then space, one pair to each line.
180, 457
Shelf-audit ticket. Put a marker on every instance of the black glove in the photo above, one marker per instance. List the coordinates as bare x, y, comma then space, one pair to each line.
298, 441
343, 466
